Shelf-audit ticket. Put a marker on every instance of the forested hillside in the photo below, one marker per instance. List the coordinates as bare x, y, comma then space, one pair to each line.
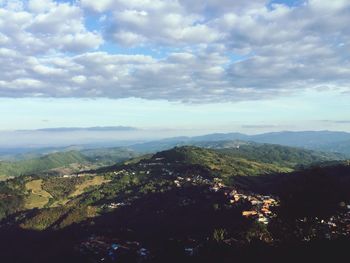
281, 155
44, 163
248, 205
65, 161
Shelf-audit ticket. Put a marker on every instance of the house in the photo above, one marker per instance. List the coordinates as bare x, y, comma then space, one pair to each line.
143, 253
263, 220
112, 205
177, 183
115, 246
266, 211
221, 185
249, 213
236, 197
233, 193
116, 205
214, 188
270, 201
255, 202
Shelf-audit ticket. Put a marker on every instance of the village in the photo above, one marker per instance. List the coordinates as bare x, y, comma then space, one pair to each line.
260, 205
104, 249
256, 207
336, 226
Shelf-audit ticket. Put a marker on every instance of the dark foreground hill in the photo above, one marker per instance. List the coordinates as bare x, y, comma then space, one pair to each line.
187, 204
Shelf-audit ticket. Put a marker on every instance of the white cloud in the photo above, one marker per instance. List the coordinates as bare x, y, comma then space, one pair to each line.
98, 6
45, 26
39, 6
215, 50
127, 38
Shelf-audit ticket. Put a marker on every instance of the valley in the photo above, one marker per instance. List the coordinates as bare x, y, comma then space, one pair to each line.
151, 208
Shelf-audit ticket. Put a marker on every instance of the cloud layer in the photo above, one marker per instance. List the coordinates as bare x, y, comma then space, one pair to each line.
178, 50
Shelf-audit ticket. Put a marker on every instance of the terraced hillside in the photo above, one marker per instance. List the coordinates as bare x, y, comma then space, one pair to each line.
242, 201
141, 176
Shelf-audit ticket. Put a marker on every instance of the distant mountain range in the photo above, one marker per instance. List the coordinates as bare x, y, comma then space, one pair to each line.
328, 141
78, 158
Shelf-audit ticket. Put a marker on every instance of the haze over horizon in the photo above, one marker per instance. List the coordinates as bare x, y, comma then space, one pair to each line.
174, 68
152, 131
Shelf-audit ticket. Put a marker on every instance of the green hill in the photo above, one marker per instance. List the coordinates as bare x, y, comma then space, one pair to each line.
36, 165
90, 157
280, 155
175, 194
136, 177
182, 194
109, 156
142, 174
222, 163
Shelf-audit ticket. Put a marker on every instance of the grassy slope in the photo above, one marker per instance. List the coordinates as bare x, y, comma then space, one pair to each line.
94, 181
38, 197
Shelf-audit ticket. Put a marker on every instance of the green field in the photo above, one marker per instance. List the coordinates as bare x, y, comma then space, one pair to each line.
38, 197
95, 181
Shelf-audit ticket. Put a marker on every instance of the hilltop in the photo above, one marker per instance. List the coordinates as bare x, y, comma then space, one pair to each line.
243, 200
62, 174
282, 156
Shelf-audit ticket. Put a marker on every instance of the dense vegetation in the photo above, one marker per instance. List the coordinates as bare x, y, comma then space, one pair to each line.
11, 197
109, 156
222, 164
66, 161
41, 164
166, 202
280, 155
63, 187
226, 164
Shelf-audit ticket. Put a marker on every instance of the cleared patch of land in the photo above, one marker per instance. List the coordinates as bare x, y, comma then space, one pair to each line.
5, 178
38, 197
95, 181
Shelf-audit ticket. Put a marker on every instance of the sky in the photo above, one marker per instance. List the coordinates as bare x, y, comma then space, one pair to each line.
175, 67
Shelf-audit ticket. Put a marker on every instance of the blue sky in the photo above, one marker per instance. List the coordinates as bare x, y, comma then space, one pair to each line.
166, 65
